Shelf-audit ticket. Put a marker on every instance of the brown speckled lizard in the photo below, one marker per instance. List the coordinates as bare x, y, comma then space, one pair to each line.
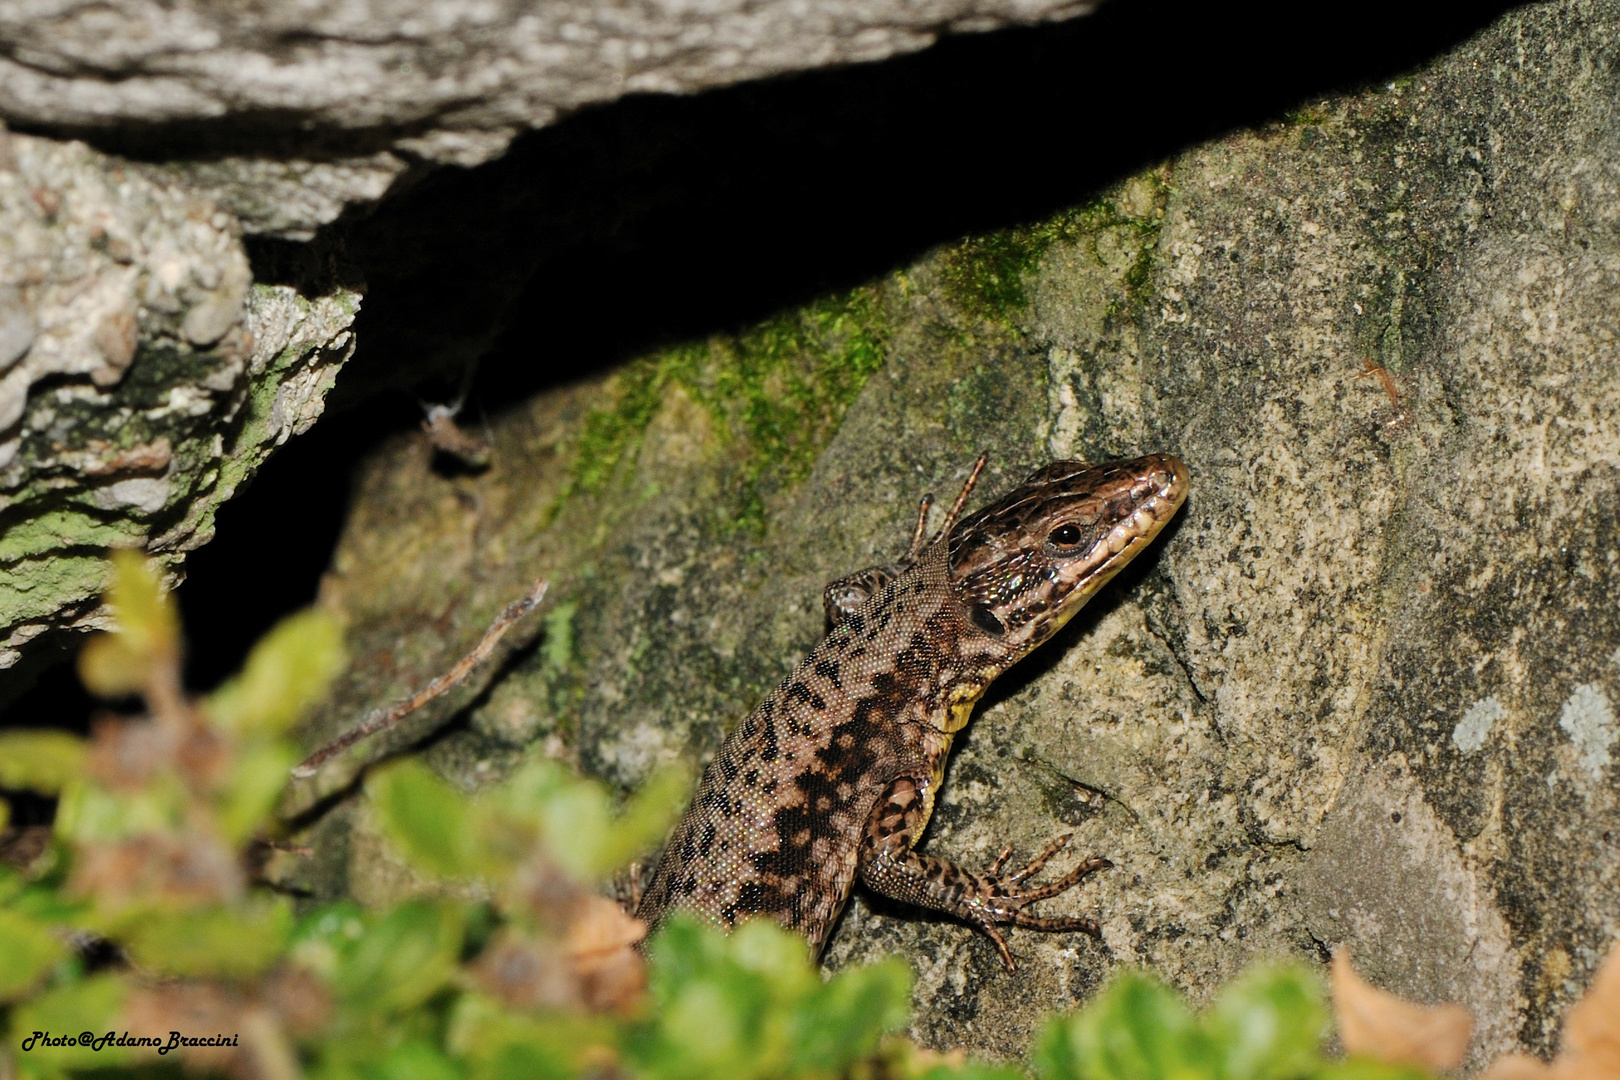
834, 776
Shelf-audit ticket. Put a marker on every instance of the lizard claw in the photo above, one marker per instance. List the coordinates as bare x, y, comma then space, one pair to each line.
1003, 900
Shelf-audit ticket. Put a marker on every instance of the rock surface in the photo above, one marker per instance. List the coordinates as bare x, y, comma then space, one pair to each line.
273, 121
440, 81
1363, 692
143, 376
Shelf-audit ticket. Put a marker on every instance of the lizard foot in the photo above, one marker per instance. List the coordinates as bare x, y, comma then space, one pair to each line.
1001, 898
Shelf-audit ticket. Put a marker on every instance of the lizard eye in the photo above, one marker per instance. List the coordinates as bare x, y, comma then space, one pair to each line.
1065, 536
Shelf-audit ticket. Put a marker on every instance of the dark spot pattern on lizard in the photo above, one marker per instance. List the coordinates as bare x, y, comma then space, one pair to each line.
846, 755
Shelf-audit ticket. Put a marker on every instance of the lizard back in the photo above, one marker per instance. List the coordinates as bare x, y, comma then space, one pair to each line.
778, 816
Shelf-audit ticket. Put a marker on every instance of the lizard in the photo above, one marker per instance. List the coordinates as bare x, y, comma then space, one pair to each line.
834, 776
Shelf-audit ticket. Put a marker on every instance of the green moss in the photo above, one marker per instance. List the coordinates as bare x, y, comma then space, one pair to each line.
984, 276
775, 393
781, 389
36, 588
56, 530
611, 433
558, 651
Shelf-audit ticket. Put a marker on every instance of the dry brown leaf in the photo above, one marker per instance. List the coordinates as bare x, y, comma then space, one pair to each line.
128, 754
1518, 1067
1591, 1042
255, 1021
298, 999
193, 869
23, 846
1590, 1047
600, 926
195, 1008
601, 943
1375, 1023
526, 972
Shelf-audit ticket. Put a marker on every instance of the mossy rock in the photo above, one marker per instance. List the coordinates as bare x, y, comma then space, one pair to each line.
1361, 693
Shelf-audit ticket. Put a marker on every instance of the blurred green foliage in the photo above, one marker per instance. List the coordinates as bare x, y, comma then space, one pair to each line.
146, 913
751, 1006
1267, 1025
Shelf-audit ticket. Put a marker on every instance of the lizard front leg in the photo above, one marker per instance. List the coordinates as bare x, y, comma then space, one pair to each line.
843, 597
887, 865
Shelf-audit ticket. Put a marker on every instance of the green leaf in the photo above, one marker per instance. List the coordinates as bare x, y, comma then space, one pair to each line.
717, 1014
577, 823
842, 1020
1361, 1068
29, 950
324, 936
415, 1059
752, 1005
42, 761
256, 782
528, 1059
646, 820
91, 814
575, 817
91, 1004
402, 959
109, 668
431, 822
235, 942
1136, 1029
972, 1070
684, 949
1269, 1024
148, 634
708, 1029
288, 671
503, 1045
760, 946
41, 901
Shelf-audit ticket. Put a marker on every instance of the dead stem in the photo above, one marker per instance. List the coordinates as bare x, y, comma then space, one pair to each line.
384, 718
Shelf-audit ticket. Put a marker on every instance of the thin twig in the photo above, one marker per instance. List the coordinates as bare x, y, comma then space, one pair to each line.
380, 719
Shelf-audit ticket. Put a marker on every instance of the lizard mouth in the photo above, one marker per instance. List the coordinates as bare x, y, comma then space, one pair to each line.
1155, 490
1025, 565
1142, 496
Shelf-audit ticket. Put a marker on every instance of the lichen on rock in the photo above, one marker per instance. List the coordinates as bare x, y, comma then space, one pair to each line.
144, 375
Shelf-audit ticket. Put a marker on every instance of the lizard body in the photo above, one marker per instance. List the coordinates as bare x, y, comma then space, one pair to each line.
833, 777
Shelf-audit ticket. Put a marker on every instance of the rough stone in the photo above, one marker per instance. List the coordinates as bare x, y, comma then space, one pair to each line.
145, 377
440, 81
1362, 692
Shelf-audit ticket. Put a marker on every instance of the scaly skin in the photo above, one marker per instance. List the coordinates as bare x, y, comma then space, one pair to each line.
834, 776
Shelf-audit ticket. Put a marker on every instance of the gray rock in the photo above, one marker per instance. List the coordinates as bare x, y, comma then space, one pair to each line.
17, 326
147, 378
442, 81
1362, 693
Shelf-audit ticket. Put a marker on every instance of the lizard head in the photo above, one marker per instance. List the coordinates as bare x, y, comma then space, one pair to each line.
1024, 565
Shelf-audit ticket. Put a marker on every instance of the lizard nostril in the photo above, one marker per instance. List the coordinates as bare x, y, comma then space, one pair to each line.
986, 620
